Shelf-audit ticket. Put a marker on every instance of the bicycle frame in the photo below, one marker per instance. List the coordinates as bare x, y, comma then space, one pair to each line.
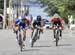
35, 36
20, 39
57, 35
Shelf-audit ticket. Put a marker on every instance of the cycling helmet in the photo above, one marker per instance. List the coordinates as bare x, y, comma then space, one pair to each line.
38, 18
24, 18
19, 17
56, 15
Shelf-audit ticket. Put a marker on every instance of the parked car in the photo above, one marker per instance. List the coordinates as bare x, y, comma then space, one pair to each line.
47, 24
1, 22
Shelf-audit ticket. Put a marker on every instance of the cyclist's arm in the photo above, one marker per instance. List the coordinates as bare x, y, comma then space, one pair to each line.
33, 24
42, 23
52, 21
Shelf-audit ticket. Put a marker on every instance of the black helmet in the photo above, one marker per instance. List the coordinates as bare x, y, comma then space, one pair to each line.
38, 18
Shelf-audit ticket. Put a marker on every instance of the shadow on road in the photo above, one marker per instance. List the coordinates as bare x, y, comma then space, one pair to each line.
42, 46
31, 50
65, 45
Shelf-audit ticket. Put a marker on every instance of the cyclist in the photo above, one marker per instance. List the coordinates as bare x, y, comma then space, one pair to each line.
56, 19
15, 24
21, 23
37, 22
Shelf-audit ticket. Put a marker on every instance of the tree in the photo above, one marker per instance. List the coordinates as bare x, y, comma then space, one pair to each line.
63, 7
2, 5
5, 14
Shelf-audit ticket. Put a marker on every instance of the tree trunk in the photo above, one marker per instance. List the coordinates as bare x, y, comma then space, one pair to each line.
5, 15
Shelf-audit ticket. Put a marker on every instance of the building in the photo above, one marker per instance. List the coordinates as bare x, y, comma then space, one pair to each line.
17, 8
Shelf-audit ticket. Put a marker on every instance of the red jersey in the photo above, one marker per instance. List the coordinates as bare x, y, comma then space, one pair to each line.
56, 20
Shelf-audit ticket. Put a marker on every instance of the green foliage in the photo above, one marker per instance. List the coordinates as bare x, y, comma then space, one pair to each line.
63, 7
1, 11
2, 5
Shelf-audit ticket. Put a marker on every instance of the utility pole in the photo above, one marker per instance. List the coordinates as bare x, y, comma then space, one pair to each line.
27, 6
5, 14
11, 13
19, 7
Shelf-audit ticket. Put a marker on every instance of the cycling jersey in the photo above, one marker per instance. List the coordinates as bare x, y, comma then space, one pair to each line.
37, 23
17, 21
22, 25
58, 21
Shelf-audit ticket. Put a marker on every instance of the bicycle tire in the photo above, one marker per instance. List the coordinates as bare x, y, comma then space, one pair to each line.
57, 37
21, 47
34, 38
32, 43
20, 42
38, 37
56, 41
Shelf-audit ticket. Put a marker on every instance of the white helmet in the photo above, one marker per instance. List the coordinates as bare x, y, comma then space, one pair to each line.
20, 17
56, 15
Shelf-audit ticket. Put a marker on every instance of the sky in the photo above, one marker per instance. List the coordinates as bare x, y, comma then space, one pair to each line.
35, 10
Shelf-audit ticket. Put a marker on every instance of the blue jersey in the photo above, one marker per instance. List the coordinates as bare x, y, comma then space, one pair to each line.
22, 25
17, 21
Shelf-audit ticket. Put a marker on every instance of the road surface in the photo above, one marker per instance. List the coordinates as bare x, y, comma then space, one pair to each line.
44, 46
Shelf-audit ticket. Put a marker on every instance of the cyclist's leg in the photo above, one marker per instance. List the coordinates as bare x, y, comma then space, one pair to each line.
16, 29
32, 32
60, 31
24, 34
42, 30
16, 32
33, 27
54, 31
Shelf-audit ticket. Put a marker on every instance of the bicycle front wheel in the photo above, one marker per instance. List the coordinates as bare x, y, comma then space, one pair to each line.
20, 42
57, 41
57, 37
34, 37
21, 47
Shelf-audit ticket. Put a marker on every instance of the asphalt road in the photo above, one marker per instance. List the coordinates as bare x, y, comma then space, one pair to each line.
44, 46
